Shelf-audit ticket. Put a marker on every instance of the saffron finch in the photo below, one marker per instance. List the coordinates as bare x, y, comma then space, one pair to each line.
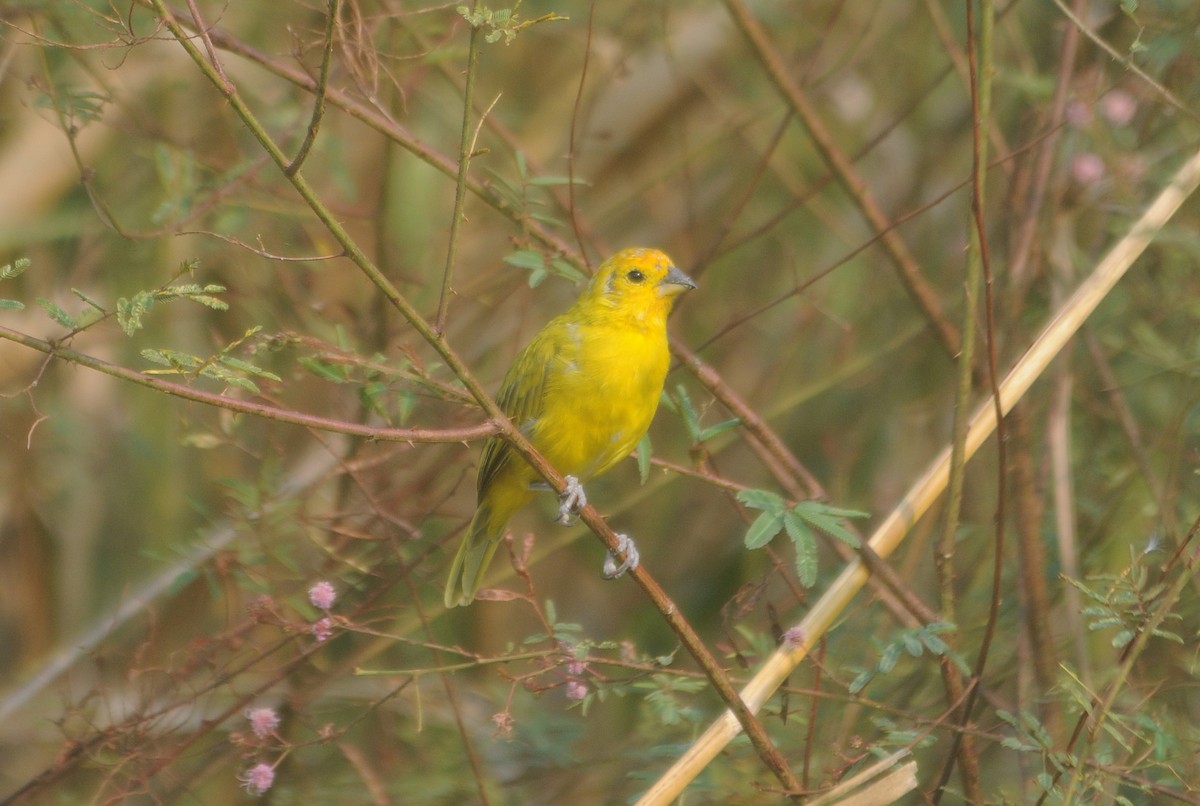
583, 391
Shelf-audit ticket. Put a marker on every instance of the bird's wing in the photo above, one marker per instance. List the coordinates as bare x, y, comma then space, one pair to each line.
522, 397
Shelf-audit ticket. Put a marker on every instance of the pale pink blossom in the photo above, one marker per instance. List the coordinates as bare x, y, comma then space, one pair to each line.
1118, 107
322, 629
263, 721
258, 779
322, 595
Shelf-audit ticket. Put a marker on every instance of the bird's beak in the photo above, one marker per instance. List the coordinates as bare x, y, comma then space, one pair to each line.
675, 282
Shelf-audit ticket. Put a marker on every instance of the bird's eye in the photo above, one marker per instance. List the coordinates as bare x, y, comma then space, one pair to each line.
635, 276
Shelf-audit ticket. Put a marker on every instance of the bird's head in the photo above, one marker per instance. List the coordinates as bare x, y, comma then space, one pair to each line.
642, 283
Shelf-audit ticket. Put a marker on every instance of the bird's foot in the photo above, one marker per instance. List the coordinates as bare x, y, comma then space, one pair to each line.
626, 546
571, 501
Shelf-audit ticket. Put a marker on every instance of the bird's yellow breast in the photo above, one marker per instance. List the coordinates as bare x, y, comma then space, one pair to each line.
601, 394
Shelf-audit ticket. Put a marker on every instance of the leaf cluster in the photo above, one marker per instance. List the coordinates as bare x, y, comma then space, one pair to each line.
800, 522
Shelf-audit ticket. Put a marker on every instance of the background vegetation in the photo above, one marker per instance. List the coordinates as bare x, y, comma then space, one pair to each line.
210, 403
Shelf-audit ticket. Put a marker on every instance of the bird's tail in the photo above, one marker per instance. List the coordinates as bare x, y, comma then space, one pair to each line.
474, 554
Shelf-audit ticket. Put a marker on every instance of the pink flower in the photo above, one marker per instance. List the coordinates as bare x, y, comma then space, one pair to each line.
322, 629
1087, 168
793, 638
1118, 107
576, 690
263, 721
258, 779
322, 595
576, 668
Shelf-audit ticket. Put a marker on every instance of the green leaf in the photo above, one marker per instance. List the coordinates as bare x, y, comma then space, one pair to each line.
245, 366
15, 269
1007, 716
334, 373
764, 528
718, 429
567, 631
131, 310
796, 528
546, 218
11, 305
860, 682
644, 450
526, 259
761, 499
829, 520
683, 404
551, 180
805, 544
1167, 635
88, 299
889, 658
56, 313
567, 269
936, 645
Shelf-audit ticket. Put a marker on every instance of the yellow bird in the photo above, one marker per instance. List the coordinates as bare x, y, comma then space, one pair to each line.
584, 392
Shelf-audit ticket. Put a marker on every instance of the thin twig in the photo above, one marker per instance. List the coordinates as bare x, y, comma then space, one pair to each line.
202, 32
583, 71
466, 146
318, 112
